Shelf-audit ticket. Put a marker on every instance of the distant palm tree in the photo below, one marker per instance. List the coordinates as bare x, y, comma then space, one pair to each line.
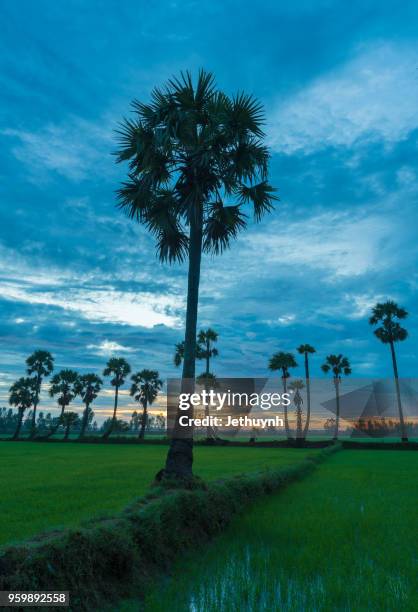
89, 388
65, 385
205, 340
22, 395
179, 354
41, 364
282, 362
69, 419
196, 159
119, 368
296, 386
306, 349
389, 333
338, 365
144, 389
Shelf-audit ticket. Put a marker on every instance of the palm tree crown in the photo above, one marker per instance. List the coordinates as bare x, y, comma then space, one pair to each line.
303, 349
282, 361
119, 368
387, 313
338, 365
145, 386
22, 393
40, 363
65, 384
89, 386
190, 150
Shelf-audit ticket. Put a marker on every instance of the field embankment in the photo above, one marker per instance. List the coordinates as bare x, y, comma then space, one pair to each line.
107, 558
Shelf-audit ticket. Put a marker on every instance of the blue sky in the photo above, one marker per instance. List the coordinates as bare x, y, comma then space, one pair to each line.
340, 86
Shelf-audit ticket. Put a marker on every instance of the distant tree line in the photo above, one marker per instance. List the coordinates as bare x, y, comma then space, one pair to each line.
68, 384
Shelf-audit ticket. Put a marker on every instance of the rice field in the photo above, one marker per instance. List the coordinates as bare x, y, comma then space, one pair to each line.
345, 538
46, 486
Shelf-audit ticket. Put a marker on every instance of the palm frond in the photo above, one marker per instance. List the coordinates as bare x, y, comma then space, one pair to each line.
223, 224
260, 196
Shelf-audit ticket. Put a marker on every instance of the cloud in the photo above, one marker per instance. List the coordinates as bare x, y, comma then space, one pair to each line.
108, 347
372, 97
75, 150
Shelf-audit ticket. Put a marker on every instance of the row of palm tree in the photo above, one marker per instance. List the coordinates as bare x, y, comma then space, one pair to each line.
67, 384
388, 314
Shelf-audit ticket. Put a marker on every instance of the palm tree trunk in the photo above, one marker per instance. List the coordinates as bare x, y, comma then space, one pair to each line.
404, 435
207, 357
67, 431
179, 462
115, 407
19, 424
144, 421
286, 418
308, 397
84, 421
337, 420
35, 405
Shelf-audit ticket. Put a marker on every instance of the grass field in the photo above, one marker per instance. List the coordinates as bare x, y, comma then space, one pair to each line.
343, 539
45, 486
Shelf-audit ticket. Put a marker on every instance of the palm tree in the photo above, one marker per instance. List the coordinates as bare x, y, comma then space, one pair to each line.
283, 361
41, 364
22, 395
65, 384
305, 350
196, 160
178, 354
205, 340
88, 389
389, 333
119, 368
144, 389
69, 419
338, 365
296, 386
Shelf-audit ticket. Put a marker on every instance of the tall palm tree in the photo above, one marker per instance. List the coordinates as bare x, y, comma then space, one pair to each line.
338, 365
22, 395
282, 362
305, 350
118, 368
65, 385
196, 160
69, 419
41, 364
296, 386
390, 332
88, 389
144, 389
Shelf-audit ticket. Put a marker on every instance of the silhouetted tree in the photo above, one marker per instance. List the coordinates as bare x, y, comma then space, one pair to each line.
144, 389
296, 386
41, 364
22, 395
89, 386
196, 158
390, 332
282, 362
118, 368
64, 384
338, 365
305, 350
